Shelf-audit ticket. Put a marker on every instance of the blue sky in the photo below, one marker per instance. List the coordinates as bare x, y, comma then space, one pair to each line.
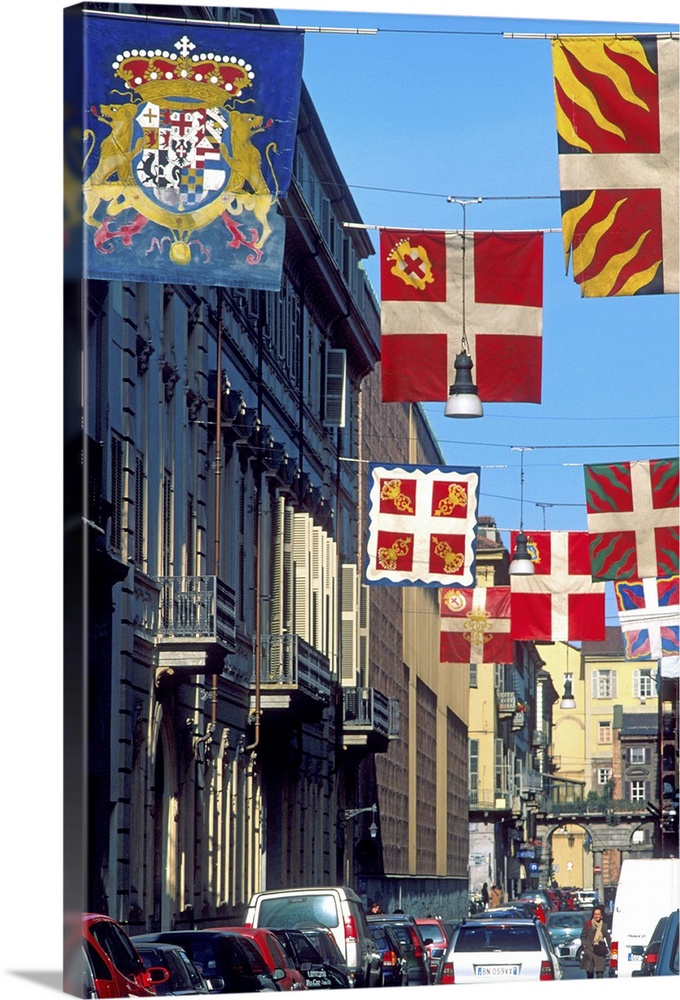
435, 106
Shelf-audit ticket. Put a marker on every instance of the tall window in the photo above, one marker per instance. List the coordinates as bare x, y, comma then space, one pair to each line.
637, 791
603, 775
644, 685
116, 481
604, 684
166, 525
639, 755
140, 511
473, 766
604, 732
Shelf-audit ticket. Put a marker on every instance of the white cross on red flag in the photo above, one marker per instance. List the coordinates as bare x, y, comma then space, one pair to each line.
475, 625
422, 296
559, 602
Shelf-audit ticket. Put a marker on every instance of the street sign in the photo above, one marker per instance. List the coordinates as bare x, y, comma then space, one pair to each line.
597, 870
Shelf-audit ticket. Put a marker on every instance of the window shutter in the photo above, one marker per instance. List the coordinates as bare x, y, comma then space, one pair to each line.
363, 651
613, 683
626, 790
334, 388
349, 653
636, 683
302, 544
594, 680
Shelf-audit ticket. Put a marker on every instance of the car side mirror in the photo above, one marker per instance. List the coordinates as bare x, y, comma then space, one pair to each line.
155, 976
216, 985
278, 974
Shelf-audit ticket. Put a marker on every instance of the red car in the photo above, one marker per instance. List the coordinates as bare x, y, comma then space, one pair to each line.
112, 960
436, 938
274, 955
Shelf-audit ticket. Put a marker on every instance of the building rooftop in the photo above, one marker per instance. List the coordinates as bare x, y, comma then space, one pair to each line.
640, 724
612, 645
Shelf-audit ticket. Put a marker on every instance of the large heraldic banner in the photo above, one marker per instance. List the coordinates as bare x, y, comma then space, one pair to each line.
189, 132
422, 525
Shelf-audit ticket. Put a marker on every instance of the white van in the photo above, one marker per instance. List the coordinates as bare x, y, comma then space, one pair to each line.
336, 907
647, 890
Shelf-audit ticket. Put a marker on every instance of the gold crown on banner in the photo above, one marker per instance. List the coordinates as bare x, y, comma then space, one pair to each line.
158, 75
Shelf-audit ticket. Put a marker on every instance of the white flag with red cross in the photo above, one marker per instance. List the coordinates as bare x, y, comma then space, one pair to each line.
559, 602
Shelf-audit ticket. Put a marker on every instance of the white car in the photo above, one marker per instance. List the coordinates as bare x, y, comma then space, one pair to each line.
492, 951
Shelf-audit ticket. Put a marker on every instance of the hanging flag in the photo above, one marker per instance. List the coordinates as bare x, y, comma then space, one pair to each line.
632, 510
649, 615
424, 301
475, 625
616, 100
422, 525
559, 602
189, 133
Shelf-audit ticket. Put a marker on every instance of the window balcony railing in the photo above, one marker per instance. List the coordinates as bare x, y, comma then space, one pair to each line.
287, 661
488, 801
195, 608
507, 702
366, 709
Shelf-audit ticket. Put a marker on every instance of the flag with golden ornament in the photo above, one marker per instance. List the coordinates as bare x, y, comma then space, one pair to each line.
616, 100
188, 140
422, 524
475, 625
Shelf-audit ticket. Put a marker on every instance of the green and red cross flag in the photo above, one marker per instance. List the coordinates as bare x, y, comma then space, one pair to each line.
422, 523
475, 625
632, 510
559, 602
616, 99
430, 282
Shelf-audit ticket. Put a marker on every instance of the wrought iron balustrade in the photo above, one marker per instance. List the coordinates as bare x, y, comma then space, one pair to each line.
367, 708
196, 607
288, 661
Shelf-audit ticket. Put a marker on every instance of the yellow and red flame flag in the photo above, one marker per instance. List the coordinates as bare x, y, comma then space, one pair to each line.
616, 100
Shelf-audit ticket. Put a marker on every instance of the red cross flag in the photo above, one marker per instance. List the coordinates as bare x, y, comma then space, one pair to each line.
617, 121
422, 525
423, 297
632, 510
560, 602
475, 625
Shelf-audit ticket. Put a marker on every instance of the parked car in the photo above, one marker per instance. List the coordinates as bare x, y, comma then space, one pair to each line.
435, 939
650, 953
114, 963
539, 896
565, 929
274, 954
324, 940
394, 958
492, 951
232, 962
585, 899
336, 907
411, 939
305, 956
513, 911
669, 955
184, 978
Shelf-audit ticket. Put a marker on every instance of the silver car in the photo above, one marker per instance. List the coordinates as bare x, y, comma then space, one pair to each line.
491, 951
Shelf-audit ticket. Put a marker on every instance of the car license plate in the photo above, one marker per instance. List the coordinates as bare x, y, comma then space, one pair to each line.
493, 971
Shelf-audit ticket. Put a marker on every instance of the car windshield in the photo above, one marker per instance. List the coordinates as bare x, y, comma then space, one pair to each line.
493, 937
433, 931
292, 911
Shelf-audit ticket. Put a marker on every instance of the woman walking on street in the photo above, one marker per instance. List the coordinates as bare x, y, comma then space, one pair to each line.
596, 941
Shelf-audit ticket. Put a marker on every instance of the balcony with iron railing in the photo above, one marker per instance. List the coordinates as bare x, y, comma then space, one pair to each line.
293, 675
488, 800
369, 719
196, 623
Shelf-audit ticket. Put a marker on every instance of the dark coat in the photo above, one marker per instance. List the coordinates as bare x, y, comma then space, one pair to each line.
589, 960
